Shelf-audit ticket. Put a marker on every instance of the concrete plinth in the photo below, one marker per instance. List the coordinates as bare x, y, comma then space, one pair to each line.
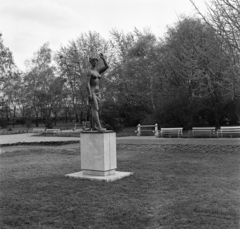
98, 157
116, 176
98, 153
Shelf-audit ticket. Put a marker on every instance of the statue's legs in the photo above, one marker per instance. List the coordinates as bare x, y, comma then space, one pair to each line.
95, 117
96, 121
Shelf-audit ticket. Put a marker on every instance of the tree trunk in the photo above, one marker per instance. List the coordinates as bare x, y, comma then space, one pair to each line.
70, 116
55, 119
152, 94
36, 121
23, 116
66, 116
76, 116
81, 117
216, 115
14, 112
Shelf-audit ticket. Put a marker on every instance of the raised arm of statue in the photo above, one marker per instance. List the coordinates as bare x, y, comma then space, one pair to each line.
103, 69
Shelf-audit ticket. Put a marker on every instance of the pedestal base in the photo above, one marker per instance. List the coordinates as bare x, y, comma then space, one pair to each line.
98, 173
116, 176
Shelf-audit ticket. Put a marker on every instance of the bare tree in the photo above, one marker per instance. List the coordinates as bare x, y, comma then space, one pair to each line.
224, 17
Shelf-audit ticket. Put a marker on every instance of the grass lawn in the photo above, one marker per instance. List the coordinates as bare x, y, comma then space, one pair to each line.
173, 186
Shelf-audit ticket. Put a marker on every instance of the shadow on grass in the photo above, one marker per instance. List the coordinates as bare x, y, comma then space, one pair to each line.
173, 186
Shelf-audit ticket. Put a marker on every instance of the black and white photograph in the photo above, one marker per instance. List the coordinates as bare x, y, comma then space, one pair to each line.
120, 114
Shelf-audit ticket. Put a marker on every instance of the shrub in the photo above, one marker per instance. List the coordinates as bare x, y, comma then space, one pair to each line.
28, 123
3, 123
49, 124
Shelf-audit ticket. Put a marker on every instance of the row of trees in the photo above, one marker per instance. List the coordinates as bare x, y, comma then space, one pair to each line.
189, 77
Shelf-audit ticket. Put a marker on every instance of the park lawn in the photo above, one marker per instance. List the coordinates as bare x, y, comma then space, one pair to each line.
173, 186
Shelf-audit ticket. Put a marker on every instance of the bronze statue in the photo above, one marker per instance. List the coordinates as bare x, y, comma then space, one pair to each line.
94, 90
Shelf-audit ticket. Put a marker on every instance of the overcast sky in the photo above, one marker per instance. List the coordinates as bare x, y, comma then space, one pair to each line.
28, 24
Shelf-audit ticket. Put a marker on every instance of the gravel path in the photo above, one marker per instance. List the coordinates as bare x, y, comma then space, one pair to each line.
18, 138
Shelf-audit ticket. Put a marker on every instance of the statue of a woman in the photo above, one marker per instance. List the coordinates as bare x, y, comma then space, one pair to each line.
94, 91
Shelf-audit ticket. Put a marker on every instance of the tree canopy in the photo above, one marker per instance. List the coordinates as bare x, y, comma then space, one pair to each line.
189, 77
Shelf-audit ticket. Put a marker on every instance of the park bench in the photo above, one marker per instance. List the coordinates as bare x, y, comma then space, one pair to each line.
203, 130
38, 131
147, 128
52, 131
171, 131
228, 130
86, 124
77, 125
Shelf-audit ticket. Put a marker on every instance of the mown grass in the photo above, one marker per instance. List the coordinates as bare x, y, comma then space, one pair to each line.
173, 186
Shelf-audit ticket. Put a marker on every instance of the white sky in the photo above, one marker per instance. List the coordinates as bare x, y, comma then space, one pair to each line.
28, 24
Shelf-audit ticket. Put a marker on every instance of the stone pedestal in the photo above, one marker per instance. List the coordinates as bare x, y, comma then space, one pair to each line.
98, 153
98, 157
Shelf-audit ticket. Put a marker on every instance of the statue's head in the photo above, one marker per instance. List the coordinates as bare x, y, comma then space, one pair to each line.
93, 60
